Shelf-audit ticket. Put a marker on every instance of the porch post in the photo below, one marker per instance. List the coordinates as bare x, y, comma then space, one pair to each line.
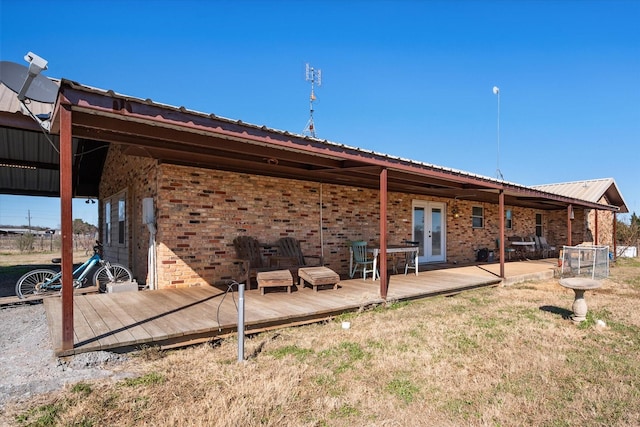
569, 212
501, 234
615, 234
66, 222
595, 241
383, 234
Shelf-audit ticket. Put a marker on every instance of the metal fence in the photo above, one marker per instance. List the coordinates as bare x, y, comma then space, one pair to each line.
585, 261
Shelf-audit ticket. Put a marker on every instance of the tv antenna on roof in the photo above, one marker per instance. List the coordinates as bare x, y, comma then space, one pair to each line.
496, 91
315, 77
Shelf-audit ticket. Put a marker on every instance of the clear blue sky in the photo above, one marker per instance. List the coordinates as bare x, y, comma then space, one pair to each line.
407, 78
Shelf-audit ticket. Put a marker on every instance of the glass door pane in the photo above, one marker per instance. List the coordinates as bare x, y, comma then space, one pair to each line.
436, 232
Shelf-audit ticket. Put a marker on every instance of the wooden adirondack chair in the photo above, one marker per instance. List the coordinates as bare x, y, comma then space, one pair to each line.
248, 248
289, 250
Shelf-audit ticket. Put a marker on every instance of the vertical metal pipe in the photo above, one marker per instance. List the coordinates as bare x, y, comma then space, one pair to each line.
383, 235
569, 212
615, 235
241, 322
501, 248
595, 241
66, 222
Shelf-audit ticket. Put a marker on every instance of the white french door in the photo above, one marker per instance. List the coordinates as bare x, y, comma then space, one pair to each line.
429, 229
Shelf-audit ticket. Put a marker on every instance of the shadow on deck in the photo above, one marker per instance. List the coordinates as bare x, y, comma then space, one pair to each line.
179, 317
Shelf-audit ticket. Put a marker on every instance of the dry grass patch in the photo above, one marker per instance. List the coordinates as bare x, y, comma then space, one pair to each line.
496, 356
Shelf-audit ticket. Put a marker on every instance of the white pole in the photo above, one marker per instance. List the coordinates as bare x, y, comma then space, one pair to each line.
496, 91
241, 322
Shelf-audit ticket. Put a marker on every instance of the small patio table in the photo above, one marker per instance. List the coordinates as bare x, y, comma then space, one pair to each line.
519, 246
390, 250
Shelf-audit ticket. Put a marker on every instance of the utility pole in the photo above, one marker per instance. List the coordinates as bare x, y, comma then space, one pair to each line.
29, 219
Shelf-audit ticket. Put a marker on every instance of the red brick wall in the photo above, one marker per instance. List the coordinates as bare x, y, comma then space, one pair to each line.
137, 177
201, 211
604, 225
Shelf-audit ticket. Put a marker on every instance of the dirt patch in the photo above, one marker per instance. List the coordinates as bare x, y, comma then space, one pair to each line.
29, 364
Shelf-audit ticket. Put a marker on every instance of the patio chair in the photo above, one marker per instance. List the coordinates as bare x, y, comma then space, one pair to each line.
289, 249
536, 249
404, 260
531, 252
410, 257
248, 248
508, 250
546, 248
361, 260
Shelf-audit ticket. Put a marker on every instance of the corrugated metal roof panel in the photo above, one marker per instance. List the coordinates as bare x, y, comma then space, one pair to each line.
592, 190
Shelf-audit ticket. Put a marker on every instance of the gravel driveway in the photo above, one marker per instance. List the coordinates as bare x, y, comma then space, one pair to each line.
28, 364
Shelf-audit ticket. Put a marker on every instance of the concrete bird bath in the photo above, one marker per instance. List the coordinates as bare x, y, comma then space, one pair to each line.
579, 286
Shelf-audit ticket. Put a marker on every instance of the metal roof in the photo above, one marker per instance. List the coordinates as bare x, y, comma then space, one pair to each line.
592, 190
29, 157
181, 136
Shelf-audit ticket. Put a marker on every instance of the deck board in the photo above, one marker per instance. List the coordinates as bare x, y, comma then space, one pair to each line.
138, 333
109, 319
174, 316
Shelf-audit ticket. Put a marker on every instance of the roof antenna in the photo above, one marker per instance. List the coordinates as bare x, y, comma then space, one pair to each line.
315, 77
496, 91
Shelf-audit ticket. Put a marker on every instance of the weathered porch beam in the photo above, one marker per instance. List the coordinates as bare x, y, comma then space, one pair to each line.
66, 221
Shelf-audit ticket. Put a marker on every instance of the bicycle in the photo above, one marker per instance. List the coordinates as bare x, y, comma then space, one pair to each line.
47, 282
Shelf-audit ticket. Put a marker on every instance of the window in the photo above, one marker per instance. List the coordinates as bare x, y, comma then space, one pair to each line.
115, 219
539, 225
107, 223
508, 216
477, 217
121, 220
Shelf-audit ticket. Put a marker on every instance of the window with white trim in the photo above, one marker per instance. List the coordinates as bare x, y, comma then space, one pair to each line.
477, 217
115, 219
122, 224
508, 219
107, 223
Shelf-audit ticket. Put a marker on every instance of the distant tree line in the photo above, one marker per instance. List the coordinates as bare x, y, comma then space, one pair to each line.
628, 234
39, 239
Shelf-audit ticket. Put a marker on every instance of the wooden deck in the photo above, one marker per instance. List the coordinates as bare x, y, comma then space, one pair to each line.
174, 317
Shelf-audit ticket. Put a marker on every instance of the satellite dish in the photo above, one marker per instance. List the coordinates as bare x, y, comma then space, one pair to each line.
41, 88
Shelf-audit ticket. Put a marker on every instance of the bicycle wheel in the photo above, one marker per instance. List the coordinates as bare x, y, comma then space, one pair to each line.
109, 274
32, 283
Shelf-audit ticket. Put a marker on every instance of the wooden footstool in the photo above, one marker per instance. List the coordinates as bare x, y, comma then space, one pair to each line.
318, 276
269, 279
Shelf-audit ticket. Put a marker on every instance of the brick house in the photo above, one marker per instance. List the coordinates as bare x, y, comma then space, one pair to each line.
599, 225
201, 180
